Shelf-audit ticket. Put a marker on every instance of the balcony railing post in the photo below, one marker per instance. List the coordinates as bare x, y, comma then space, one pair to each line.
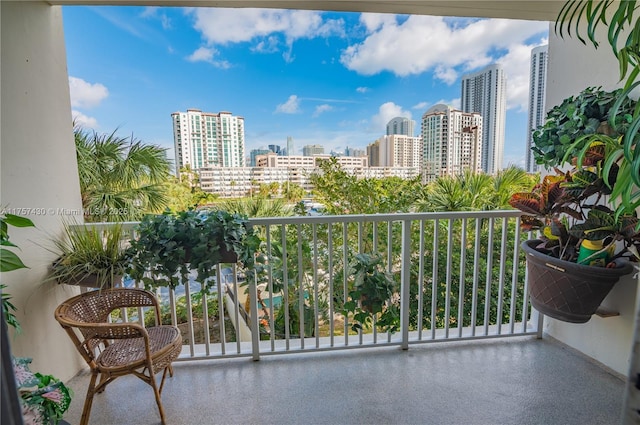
255, 328
539, 319
405, 268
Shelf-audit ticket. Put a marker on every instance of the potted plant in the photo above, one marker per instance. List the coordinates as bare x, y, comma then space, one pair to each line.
44, 397
372, 294
168, 246
590, 113
90, 256
578, 257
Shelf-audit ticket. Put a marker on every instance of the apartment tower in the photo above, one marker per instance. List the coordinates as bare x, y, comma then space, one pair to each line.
485, 92
205, 140
452, 142
537, 111
396, 150
290, 151
310, 150
401, 125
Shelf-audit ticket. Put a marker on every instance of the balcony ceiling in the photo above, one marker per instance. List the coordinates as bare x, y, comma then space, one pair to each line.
541, 10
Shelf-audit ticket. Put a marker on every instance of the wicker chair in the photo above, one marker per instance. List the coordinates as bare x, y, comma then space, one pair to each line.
116, 349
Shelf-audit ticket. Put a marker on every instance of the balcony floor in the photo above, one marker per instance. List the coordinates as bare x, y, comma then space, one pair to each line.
519, 380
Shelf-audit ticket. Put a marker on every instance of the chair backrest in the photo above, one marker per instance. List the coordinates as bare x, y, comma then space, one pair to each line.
96, 306
89, 312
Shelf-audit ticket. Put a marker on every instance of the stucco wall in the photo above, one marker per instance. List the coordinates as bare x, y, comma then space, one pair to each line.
38, 173
573, 67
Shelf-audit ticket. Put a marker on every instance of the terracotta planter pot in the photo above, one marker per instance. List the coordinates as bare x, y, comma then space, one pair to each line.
565, 290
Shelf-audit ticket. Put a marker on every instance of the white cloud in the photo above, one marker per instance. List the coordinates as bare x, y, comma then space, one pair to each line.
448, 75
222, 26
386, 113
454, 103
291, 106
83, 120
374, 21
516, 66
421, 106
269, 45
320, 109
446, 47
86, 95
205, 54
363, 89
154, 12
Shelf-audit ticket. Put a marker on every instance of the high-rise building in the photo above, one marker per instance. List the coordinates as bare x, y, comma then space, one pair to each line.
373, 153
537, 111
397, 150
485, 92
354, 152
254, 153
290, 146
310, 150
277, 149
204, 139
452, 142
401, 125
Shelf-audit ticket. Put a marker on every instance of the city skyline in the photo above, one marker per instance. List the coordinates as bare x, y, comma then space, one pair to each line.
327, 78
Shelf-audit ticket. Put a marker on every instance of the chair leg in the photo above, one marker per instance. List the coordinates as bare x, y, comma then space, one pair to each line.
164, 375
156, 391
88, 401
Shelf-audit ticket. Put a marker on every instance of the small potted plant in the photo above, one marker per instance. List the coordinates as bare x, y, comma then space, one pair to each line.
372, 293
44, 397
168, 246
578, 257
90, 256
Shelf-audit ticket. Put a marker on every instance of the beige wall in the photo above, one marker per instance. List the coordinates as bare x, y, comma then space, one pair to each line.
573, 67
38, 171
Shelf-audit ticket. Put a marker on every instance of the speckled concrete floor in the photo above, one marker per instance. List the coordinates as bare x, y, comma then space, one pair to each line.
512, 381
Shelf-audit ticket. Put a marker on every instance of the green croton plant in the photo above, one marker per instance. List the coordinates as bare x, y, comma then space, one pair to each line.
586, 133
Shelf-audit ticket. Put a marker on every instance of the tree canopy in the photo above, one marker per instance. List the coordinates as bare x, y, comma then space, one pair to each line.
121, 179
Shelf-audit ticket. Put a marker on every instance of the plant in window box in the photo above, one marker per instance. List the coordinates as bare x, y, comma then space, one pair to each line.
169, 246
90, 256
578, 230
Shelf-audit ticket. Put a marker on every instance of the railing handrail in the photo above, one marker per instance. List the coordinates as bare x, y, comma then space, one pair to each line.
352, 218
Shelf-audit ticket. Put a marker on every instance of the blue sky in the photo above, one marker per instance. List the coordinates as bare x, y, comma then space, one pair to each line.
326, 78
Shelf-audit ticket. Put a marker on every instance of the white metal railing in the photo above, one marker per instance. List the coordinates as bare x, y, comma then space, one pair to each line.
460, 275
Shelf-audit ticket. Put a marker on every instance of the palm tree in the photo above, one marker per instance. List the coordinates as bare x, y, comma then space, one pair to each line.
121, 179
475, 191
293, 192
256, 207
446, 194
509, 181
478, 188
